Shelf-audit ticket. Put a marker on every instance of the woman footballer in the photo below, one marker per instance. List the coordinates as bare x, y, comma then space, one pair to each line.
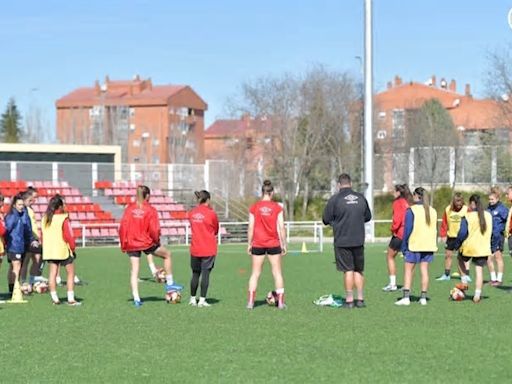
59, 248
266, 236
499, 215
204, 225
403, 197
419, 243
139, 231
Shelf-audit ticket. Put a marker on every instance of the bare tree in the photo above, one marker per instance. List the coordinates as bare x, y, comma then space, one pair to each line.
310, 120
431, 133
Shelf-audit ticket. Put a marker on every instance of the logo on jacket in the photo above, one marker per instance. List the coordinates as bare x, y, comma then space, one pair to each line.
138, 213
198, 217
265, 211
352, 199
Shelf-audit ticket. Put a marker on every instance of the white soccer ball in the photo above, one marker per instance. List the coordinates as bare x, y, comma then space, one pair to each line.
173, 297
40, 287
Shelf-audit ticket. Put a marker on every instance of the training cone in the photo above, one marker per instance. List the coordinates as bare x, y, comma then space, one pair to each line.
304, 248
17, 295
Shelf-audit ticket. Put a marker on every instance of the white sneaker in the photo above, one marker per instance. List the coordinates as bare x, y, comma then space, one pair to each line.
390, 288
203, 304
403, 301
423, 301
192, 302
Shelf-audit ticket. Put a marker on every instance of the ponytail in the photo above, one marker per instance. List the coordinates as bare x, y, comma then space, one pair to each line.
267, 187
142, 193
202, 196
54, 204
423, 195
480, 209
404, 192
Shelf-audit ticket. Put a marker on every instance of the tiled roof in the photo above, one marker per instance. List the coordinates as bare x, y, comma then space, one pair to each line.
225, 128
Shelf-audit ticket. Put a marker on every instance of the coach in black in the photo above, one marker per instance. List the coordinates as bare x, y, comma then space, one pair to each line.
346, 212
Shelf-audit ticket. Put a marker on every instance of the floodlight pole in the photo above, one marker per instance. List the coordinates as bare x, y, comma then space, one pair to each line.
368, 112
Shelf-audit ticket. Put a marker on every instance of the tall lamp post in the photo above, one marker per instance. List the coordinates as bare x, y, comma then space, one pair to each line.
368, 112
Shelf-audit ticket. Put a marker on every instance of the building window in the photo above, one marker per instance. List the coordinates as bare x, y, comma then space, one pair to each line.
156, 160
136, 143
381, 134
132, 112
156, 143
132, 127
399, 125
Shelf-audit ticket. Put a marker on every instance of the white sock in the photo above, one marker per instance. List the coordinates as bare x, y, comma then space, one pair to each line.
478, 292
136, 296
58, 279
54, 296
493, 276
464, 279
392, 280
76, 279
279, 291
169, 280
71, 296
202, 299
153, 268
500, 277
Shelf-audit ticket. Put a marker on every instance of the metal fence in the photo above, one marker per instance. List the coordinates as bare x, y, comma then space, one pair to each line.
463, 166
298, 232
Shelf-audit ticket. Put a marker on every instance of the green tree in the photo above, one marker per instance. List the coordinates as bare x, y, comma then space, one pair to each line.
10, 123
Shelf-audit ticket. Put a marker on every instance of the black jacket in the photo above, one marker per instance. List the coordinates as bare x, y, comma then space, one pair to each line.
346, 212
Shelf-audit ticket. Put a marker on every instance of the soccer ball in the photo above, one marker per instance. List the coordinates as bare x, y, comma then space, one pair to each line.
26, 288
159, 275
457, 294
40, 287
173, 297
271, 298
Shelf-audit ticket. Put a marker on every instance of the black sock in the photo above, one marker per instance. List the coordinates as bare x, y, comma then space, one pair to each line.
447, 272
11, 288
406, 293
194, 283
423, 294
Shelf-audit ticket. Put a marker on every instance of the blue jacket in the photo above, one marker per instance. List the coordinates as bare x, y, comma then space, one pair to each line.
18, 231
499, 215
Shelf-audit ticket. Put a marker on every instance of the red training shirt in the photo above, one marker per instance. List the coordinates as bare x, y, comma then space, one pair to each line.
400, 205
205, 227
265, 224
140, 227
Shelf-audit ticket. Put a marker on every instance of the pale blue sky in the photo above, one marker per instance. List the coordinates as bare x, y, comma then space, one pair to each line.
51, 47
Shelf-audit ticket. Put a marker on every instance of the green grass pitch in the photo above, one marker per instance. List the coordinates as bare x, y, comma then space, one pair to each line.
109, 341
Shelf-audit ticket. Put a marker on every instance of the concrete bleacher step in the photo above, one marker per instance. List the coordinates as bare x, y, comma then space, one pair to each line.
108, 205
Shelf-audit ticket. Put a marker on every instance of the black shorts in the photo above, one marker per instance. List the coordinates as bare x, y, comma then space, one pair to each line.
450, 244
63, 263
199, 264
497, 243
148, 251
480, 261
11, 256
395, 243
266, 251
349, 259
36, 250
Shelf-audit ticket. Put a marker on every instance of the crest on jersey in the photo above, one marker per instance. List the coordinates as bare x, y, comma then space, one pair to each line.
198, 216
265, 210
351, 199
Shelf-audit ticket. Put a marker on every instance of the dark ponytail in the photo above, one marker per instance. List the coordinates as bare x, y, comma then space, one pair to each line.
404, 192
202, 196
18, 196
423, 195
55, 203
267, 187
480, 209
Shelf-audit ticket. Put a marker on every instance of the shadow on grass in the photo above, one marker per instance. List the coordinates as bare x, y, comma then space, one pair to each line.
506, 288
